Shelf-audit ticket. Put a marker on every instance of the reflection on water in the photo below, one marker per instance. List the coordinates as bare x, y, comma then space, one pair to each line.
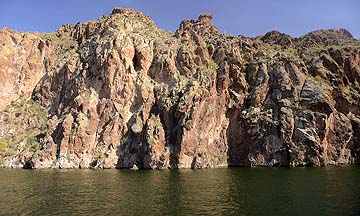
231, 191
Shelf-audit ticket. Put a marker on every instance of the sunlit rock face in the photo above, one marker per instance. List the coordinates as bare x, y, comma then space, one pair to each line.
119, 92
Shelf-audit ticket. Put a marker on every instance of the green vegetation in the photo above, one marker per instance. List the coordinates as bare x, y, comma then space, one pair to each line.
265, 58
325, 160
5, 149
151, 141
319, 78
354, 93
267, 116
5, 52
213, 64
28, 119
87, 95
34, 58
233, 98
64, 40
3, 146
225, 34
223, 157
314, 51
291, 52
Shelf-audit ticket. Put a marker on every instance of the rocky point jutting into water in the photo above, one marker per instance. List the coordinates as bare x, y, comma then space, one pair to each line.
120, 92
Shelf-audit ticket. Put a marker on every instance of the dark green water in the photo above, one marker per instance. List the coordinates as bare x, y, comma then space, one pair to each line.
232, 191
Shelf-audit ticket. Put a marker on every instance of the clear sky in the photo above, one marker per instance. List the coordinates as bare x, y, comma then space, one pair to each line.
245, 17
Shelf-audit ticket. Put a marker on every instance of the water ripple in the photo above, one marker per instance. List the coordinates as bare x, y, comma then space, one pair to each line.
233, 191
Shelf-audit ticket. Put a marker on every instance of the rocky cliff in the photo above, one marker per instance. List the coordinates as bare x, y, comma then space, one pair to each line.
120, 92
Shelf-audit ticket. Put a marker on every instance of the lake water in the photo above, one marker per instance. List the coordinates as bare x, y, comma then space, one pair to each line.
228, 191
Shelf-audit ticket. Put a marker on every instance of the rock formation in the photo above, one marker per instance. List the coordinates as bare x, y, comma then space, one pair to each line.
119, 92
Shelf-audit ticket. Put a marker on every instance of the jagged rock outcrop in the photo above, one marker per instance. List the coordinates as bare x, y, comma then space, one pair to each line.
120, 92
329, 37
278, 38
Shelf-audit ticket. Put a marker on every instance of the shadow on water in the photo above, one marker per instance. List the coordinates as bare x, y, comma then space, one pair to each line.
230, 191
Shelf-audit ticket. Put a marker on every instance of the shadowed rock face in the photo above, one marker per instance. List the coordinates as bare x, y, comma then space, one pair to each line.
120, 92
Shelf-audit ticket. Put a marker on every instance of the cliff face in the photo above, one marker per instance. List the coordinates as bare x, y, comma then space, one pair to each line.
119, 92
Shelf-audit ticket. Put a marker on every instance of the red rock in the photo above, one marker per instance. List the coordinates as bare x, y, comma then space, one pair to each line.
120, 92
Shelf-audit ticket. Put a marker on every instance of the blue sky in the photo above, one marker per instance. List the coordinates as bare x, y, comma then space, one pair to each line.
245, 17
